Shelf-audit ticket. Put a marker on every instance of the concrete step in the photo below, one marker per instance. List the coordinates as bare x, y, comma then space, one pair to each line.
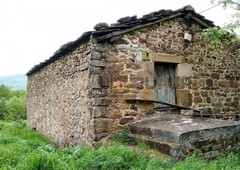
178, 135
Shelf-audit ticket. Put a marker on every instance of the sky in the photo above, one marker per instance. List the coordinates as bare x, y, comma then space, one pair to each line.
32, 30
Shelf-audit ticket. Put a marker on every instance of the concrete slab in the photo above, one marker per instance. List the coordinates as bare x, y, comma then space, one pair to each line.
181, 129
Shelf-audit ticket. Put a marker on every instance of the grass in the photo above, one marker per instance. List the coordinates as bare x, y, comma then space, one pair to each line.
23, 149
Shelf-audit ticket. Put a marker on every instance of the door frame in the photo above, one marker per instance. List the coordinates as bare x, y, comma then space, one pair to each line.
171, 80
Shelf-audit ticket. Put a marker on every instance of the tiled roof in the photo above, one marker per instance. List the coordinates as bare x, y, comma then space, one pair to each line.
104, 31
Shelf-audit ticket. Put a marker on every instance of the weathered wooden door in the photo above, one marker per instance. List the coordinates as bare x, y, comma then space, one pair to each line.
165, 82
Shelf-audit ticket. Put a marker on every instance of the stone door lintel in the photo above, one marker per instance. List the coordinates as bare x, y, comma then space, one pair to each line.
166, 58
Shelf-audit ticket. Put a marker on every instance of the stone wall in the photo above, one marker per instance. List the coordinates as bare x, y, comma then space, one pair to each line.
207, 76
58, 102
80, 98
211, 147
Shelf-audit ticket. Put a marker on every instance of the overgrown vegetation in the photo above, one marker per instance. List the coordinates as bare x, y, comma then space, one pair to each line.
125, 137
229, 34
23, 149
12, 104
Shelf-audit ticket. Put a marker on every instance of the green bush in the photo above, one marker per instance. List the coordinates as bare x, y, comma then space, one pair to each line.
15, 109
12, 104
125, 136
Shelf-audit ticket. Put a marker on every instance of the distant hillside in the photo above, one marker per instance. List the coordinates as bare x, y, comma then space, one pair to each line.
15, 82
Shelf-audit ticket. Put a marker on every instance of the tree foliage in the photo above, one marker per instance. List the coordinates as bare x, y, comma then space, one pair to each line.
5, 92
12, 104
233, 25
229, 34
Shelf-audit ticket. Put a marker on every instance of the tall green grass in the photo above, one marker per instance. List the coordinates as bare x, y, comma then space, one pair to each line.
23, 149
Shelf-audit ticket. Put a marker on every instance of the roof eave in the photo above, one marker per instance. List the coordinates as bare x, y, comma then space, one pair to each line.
63, 50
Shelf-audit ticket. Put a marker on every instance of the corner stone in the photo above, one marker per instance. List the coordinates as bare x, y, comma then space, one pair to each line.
95, 55
99, 111
98, 63
103, 125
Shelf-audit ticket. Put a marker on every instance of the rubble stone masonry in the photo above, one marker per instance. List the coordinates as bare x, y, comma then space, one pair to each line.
207, 77
58, 101
80, 98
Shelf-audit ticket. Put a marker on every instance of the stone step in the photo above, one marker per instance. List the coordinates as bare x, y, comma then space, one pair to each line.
163, 135
159, 111
178, 135
167, 148
182, 129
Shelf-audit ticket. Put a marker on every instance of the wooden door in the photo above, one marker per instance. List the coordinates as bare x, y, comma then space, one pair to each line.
165, 82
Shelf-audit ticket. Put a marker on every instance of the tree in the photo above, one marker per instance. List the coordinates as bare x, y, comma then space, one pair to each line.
2, 108
230, 33
15, 109
12, 104
234, 25
5, 92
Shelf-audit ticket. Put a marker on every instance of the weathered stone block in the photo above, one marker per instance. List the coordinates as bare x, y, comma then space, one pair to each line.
145, 56
133, 113
84, 66
99, 111
209, 82
215, 75
214, 154
148, 66
146, 94
106, 80
223, 83
217, 147
125, 120
197, 99
119, 89
95, 81
202, 82
234, 84
133, 65
123, 78
95, 55
184, 70
206, 148
96, 70
146, 77
167, 58
113, 114
204, 93
209, 100
100, 102
184, 98
141, 40
146, 107
100, 92
98, 63
103, 125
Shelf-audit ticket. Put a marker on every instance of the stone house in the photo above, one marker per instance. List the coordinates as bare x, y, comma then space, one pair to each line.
111, 76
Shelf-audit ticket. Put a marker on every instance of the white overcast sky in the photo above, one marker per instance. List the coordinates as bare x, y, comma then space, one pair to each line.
32, 30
